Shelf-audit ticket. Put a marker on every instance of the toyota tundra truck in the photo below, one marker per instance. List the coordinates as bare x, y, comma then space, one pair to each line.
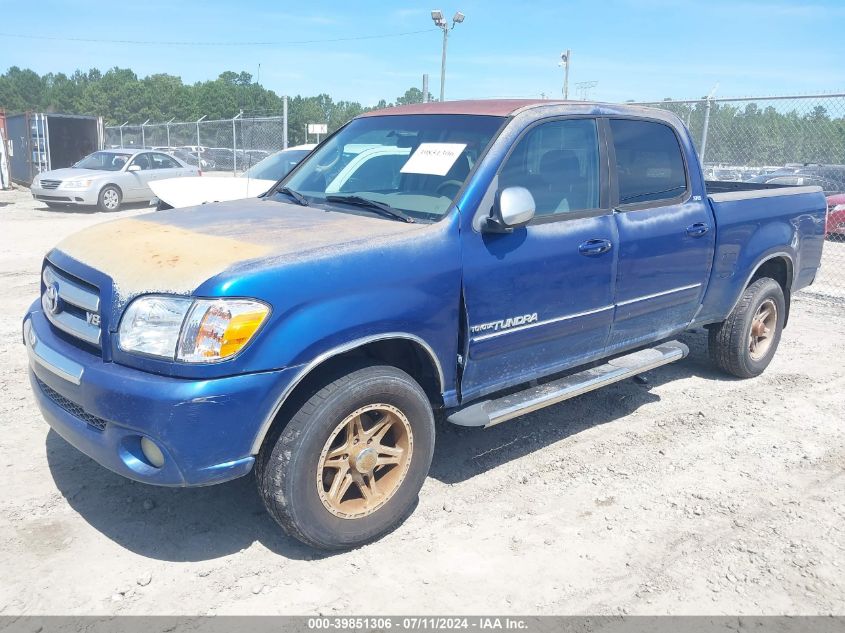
471, 261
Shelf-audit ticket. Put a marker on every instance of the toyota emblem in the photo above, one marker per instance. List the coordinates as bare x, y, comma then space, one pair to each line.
51, 296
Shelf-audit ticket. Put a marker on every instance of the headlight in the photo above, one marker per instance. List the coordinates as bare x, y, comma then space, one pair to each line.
198, 331
77, 184
839, 207
152, 325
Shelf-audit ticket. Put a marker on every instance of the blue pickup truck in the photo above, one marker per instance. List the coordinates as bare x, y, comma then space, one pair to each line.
470, 260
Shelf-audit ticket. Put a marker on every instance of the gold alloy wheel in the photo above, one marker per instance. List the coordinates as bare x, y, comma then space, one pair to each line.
371, 449
762, 329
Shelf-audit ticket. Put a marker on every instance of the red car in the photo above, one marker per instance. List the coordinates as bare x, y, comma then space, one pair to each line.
835, 215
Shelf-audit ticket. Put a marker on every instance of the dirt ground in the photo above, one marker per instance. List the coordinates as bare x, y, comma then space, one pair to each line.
694, 494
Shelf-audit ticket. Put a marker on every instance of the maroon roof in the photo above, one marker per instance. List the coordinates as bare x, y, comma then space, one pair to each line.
492, 107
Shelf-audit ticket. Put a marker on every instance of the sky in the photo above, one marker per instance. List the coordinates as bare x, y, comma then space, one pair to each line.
633, 49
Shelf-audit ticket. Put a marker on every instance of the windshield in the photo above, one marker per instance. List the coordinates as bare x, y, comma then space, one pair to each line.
414, 163
106, 161
277, 165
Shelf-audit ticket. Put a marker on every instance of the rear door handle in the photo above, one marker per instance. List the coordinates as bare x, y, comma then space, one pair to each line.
591, 248
698, 229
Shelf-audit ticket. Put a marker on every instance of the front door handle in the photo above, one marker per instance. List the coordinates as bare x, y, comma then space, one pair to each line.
698, 229
591, 248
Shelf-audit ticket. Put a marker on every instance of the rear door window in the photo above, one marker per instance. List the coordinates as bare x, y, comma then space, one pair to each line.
163, 161
649, 163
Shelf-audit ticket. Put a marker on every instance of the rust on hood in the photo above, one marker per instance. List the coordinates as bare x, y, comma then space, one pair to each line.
143, 256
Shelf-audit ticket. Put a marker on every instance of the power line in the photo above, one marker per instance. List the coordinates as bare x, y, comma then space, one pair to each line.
232, 44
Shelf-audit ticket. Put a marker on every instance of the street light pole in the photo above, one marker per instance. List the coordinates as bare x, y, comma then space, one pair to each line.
443, 65
564, 61
443, 25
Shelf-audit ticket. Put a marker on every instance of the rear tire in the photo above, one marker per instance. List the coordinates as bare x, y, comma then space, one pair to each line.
348, 466
745, 343
109, 199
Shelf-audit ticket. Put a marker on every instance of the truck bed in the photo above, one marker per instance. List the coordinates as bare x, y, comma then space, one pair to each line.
755, 222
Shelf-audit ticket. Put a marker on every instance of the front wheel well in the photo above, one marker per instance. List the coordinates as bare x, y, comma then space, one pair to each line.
408, 355
111, 184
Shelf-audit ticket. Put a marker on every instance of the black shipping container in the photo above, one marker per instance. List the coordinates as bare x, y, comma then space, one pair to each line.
40, 142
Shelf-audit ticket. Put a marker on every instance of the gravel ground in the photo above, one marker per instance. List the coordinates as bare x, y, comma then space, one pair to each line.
693, 494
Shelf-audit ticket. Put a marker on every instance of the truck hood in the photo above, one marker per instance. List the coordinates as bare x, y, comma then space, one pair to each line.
188, 192
176, 251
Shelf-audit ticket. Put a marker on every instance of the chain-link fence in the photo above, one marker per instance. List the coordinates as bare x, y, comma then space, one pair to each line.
781, 140
224, 145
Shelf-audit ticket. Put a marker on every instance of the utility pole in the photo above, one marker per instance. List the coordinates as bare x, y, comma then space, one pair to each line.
443, 25
425, 87
285, 122
443, 65
564, 61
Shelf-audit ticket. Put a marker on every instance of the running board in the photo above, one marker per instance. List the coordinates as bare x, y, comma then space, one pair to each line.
490, 412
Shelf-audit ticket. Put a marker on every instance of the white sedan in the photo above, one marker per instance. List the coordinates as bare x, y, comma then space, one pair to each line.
187, 192
109, 178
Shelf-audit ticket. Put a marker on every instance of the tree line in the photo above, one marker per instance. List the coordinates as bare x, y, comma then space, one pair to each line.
119, 95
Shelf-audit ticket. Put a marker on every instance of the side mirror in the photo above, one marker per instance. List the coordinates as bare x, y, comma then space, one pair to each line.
133, 168
514, 208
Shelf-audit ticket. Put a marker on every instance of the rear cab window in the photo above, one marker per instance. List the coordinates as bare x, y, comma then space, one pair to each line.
650, 169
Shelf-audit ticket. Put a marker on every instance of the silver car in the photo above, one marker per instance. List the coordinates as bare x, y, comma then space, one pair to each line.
108, 178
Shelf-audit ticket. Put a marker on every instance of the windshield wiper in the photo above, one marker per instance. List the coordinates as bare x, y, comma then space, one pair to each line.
374, 205
298, 197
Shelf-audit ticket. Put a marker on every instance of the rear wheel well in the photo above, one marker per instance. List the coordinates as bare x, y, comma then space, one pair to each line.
779, 269
404, 354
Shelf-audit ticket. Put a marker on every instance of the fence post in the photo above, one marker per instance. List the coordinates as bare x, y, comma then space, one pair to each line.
285, 122
705, 130
199, 160
235, 144
143, 138
121, 134
167, 127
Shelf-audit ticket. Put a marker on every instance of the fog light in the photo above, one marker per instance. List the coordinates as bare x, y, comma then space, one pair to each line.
152, 452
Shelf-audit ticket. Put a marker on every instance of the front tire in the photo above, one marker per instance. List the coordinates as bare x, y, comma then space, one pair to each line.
348, 466
109, 199
745, 343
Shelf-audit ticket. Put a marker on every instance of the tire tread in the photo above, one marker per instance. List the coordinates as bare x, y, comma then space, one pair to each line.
726, 341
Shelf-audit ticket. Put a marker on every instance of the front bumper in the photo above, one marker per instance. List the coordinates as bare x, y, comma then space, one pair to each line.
85, 197
204, 428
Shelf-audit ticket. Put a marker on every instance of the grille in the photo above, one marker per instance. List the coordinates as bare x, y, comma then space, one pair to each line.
50, 184
71, 305
71, 407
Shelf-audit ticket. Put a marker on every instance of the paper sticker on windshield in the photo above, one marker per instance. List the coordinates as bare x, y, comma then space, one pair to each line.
435, 159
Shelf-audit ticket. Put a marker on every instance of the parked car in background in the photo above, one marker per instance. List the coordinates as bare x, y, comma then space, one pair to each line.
829, 185
226, 158
108, 178
191, 158
187, 192
254, 156
835, 226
